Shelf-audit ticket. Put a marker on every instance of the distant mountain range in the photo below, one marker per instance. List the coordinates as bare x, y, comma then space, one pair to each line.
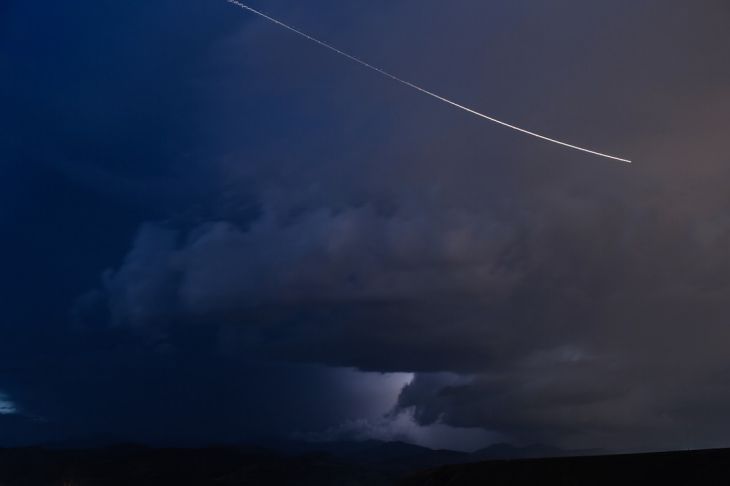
406, 456
82, 463
368, 463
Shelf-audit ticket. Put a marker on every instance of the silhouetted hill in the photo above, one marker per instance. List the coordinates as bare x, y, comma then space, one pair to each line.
686, 468
509, 451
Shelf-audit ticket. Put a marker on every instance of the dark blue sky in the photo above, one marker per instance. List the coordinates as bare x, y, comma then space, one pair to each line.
216, 231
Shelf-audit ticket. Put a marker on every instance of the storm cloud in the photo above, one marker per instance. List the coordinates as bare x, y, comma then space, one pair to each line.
326, 219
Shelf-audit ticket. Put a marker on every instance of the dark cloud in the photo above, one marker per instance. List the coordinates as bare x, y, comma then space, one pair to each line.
285, 206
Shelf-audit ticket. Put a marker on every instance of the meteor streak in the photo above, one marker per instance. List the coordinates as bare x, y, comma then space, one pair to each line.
422, 90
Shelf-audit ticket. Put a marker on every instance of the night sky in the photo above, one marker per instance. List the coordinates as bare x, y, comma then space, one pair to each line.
213, 230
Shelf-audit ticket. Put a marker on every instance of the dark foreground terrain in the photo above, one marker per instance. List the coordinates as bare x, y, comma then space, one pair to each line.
690, 468
351, 464
289, 463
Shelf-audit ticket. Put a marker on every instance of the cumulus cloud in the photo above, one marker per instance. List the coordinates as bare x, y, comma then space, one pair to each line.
354, 255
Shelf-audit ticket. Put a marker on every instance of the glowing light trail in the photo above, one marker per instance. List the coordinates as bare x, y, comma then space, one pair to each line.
422, 90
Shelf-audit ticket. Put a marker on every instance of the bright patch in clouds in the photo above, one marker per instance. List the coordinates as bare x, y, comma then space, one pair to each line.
7, 407
380, 418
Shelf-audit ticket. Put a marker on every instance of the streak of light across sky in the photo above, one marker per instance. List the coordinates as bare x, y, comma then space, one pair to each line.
422, 90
